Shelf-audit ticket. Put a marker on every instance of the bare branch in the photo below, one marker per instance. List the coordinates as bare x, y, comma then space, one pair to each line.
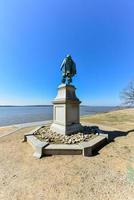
127, 95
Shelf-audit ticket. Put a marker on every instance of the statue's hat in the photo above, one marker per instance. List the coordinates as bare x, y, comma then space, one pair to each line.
68, 56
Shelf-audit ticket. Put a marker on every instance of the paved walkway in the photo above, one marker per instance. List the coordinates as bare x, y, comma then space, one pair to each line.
6, 130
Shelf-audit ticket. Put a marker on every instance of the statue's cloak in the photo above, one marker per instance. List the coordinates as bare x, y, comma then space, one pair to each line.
68, 67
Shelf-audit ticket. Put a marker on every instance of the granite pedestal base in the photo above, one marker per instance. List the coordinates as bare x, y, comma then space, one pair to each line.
66, 117
66, 130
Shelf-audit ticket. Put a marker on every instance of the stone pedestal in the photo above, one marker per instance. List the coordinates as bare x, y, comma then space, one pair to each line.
66, 116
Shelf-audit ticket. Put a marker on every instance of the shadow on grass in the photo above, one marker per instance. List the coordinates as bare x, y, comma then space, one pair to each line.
111, 134
114, 134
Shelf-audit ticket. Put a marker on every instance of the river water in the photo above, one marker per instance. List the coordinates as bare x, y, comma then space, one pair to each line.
25, 114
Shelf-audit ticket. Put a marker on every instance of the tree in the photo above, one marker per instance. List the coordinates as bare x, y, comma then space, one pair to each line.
127, 95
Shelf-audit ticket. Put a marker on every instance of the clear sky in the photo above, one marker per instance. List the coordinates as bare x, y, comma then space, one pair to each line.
35, 36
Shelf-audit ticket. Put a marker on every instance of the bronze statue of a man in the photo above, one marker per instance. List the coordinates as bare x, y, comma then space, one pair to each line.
68, 69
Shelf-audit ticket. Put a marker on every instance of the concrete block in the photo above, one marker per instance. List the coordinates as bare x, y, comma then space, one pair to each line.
93, 144
37, 145
87, 151
62, 149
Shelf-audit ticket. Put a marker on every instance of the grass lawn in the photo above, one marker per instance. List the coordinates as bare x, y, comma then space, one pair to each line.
121, 119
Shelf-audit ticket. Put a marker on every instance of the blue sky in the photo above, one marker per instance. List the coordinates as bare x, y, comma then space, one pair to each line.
36, 35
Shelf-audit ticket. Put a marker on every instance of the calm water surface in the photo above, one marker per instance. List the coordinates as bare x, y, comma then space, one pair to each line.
25, 114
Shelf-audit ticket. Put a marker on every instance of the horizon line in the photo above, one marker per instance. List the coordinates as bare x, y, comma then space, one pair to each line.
41, 105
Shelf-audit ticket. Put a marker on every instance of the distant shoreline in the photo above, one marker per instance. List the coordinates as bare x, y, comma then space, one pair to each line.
25, 105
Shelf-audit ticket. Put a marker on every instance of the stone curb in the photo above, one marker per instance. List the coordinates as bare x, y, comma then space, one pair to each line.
45, 149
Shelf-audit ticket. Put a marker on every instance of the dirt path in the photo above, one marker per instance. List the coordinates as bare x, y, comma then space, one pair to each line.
106, 176
7, 130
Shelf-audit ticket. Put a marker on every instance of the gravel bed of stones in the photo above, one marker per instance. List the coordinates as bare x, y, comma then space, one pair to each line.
86, 134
